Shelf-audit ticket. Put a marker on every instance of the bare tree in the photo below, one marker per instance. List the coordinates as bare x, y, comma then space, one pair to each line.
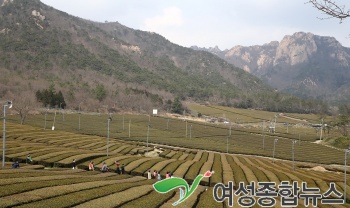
331, 8
24, 104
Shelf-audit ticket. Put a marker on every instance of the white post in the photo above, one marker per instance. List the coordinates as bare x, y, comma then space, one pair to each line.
186, 128
129, 127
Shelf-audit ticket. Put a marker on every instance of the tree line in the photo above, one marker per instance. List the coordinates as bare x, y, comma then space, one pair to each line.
50, 98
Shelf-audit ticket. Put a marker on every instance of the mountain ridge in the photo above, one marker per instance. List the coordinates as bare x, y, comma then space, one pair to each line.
41, 46
304, 64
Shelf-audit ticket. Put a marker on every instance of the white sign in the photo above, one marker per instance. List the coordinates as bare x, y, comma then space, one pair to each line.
155, 111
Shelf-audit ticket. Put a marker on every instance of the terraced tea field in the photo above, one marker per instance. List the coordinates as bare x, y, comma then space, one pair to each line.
33, 186
247, 139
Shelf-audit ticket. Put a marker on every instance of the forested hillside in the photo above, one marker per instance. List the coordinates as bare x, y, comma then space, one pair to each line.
108, 64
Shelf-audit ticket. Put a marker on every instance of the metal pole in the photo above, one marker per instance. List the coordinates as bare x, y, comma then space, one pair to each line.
287, 127
123, 122
186, 128
167, 125
264, 141
263, 132
129, 127
274, 147
147, 136
54, 119
191, 131
79, 117
345, 166
227, 144
109, 119
62, 112
4, 138
321, 130
295, 129
45, 120
299, 139
293, 152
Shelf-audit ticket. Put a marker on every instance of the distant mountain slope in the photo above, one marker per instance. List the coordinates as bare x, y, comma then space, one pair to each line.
40, 46
304, 64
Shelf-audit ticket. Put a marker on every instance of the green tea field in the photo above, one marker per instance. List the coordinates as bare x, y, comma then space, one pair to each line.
235, 153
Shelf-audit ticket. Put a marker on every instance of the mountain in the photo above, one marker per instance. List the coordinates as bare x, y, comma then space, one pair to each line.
108, 64
303, 64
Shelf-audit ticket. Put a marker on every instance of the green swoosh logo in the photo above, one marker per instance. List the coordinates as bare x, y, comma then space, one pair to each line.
169, 184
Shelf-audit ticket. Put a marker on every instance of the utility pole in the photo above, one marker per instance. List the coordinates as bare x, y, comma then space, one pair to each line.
7, 104
345, 167
147, 136
191, 131
321, 130
109, 120
274, 147
45, 118
293, 142
79, 117
227, 144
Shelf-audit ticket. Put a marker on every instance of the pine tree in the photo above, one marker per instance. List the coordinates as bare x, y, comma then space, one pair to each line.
177, 106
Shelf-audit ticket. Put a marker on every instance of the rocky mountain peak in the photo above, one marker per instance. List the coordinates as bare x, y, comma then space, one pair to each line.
296, 61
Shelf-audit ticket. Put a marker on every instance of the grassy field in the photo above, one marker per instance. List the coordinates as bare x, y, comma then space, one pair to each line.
186, 157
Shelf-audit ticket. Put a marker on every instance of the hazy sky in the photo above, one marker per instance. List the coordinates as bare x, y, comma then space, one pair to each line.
207, 23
